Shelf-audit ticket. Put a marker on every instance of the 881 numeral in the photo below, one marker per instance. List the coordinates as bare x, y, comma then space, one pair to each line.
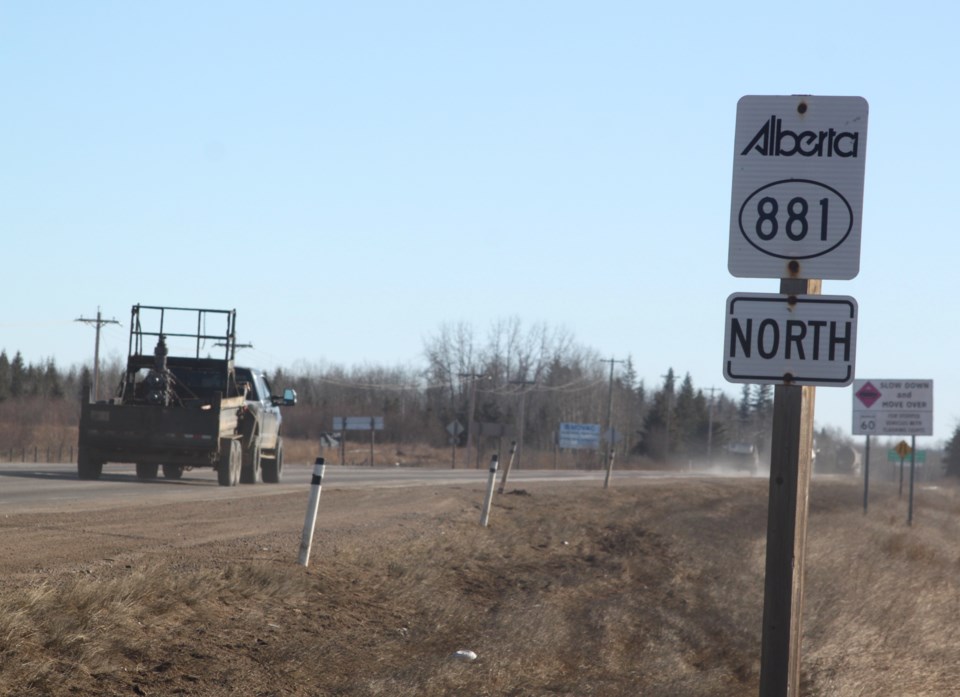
796, 225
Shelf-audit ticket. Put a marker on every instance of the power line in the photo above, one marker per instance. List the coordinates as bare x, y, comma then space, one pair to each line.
612, 361
98, 323
471, 410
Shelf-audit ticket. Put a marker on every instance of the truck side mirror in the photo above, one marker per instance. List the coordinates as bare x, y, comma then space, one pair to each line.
289, 398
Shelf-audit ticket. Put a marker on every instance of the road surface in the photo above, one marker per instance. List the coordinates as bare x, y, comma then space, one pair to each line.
38, 487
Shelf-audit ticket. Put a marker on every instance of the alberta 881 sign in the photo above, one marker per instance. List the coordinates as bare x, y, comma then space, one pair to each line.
798, 187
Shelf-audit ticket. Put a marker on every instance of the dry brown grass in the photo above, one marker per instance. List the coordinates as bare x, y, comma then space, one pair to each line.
652, 590
85, 625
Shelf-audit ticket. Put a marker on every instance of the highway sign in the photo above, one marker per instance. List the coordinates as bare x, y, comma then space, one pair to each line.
579, 436
797, 198
893, 407
790, 339
358, 423
902, 448
455, 428
919, 456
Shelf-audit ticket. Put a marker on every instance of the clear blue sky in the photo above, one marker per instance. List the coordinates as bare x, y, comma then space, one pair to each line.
349, 176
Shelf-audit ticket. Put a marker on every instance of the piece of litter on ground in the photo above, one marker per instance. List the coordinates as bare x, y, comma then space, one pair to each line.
465, 655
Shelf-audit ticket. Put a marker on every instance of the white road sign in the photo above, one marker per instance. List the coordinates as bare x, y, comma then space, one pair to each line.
358, 423
893, 407
797, 197
790, 339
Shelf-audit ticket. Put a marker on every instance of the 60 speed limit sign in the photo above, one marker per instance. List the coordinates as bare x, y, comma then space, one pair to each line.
798, 187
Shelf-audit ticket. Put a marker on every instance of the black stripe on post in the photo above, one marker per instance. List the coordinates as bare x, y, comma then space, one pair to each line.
316, 477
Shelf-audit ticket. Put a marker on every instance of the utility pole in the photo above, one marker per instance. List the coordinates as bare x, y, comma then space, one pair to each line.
98, 323
666, 448
711, 390
523, 412
609, 453
473, 377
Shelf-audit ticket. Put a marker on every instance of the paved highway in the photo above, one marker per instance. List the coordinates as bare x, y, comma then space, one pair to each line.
50, 487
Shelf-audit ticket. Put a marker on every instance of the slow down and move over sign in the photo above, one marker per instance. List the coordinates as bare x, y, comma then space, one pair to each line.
892, 407
790, 339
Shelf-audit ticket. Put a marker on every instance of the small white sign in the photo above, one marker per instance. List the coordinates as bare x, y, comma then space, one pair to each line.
790, 339
358, 423
892, 408
797, 197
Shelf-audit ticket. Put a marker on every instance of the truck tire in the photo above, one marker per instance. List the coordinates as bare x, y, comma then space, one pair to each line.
87, 468
147, 470
231, 458
172, 471
251, 472
273, 466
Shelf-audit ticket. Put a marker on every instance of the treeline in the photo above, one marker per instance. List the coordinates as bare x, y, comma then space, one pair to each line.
20, 379
531, 378
39, 404
951, 453
535, 376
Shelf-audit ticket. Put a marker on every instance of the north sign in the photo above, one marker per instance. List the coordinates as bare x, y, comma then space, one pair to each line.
790, 339
797, 196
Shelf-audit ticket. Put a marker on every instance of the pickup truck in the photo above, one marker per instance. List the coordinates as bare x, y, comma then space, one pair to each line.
178, 412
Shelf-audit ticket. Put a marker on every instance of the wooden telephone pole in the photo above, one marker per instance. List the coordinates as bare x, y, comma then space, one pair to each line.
97, 323
524, 384
610, 439
473, 377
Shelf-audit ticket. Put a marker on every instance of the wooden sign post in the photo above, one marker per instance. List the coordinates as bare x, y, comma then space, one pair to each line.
790, 469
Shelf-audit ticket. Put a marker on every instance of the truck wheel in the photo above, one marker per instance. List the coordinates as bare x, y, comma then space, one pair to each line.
172, 471
147, 470
252, 470
231, 456
86, 467
273, 467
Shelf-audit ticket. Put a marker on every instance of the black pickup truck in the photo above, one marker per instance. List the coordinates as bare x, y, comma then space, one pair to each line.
177, 412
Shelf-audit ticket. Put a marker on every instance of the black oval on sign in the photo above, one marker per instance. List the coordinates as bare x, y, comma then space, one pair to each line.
796, 219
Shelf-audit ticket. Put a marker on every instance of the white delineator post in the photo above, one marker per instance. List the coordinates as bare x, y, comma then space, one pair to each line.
306, 540
506, 472
606, 479
491, 482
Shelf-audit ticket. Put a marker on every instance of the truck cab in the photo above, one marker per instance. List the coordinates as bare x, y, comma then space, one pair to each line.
264, 424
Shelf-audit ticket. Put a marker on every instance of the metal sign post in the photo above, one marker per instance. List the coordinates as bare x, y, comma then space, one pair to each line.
913, 470
895, 407
866, 476
903, 450
356, 423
